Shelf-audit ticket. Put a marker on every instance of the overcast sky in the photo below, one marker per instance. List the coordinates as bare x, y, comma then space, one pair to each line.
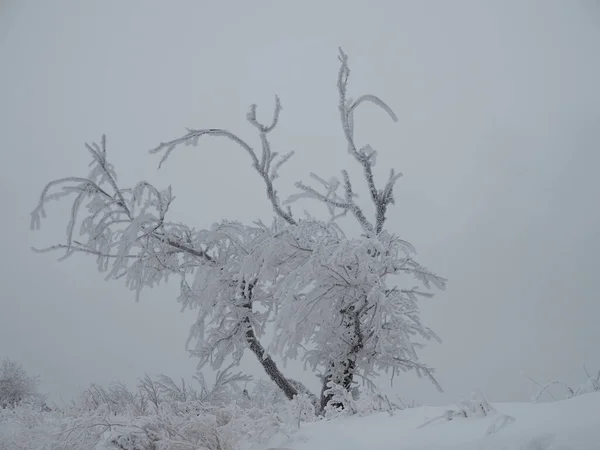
498, 138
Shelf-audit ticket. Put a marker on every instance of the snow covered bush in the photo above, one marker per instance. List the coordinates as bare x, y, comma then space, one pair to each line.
16, 386
116, 398
160, 415
217, 428
265, 392
302, 408
333, 297
152, 394
211, 428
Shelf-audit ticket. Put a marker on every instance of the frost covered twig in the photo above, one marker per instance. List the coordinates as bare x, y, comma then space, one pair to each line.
127, 230
266, 165
592, 384
478, 407
365, 156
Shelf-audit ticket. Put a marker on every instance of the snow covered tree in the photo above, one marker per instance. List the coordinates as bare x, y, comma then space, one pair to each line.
127, 231
15, 385
340, 298
332, 296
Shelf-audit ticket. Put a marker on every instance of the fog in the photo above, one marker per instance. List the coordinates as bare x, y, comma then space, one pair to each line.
497, 138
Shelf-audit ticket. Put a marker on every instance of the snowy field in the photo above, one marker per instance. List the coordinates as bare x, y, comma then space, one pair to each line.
572, 424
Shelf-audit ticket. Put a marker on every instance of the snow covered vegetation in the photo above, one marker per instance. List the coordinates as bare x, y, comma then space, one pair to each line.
159, 414
344, 304
162, 414
341, 294
17, 387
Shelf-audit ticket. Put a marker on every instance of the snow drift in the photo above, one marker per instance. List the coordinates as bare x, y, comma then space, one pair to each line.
572, 424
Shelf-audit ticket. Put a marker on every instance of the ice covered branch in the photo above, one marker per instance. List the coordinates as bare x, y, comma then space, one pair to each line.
127, 231
365, 156
267, 164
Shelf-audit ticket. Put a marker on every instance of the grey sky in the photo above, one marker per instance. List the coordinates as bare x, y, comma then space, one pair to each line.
498, 138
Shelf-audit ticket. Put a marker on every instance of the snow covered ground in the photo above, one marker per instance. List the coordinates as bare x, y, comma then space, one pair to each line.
572, 424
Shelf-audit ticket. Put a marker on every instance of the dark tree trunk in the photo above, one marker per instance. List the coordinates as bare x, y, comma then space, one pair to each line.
346, 381
344, 375
267, 362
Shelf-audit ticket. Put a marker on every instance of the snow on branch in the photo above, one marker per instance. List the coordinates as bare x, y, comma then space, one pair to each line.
127, 231
335, 300
124, 228
365, 156
267, 165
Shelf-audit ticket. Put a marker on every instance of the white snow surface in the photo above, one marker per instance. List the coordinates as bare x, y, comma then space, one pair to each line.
572, 424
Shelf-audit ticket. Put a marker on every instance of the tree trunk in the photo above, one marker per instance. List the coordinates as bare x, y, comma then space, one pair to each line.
266, 361
344, 375
346, 380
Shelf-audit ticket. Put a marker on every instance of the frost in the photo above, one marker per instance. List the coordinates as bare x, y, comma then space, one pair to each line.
334, 299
